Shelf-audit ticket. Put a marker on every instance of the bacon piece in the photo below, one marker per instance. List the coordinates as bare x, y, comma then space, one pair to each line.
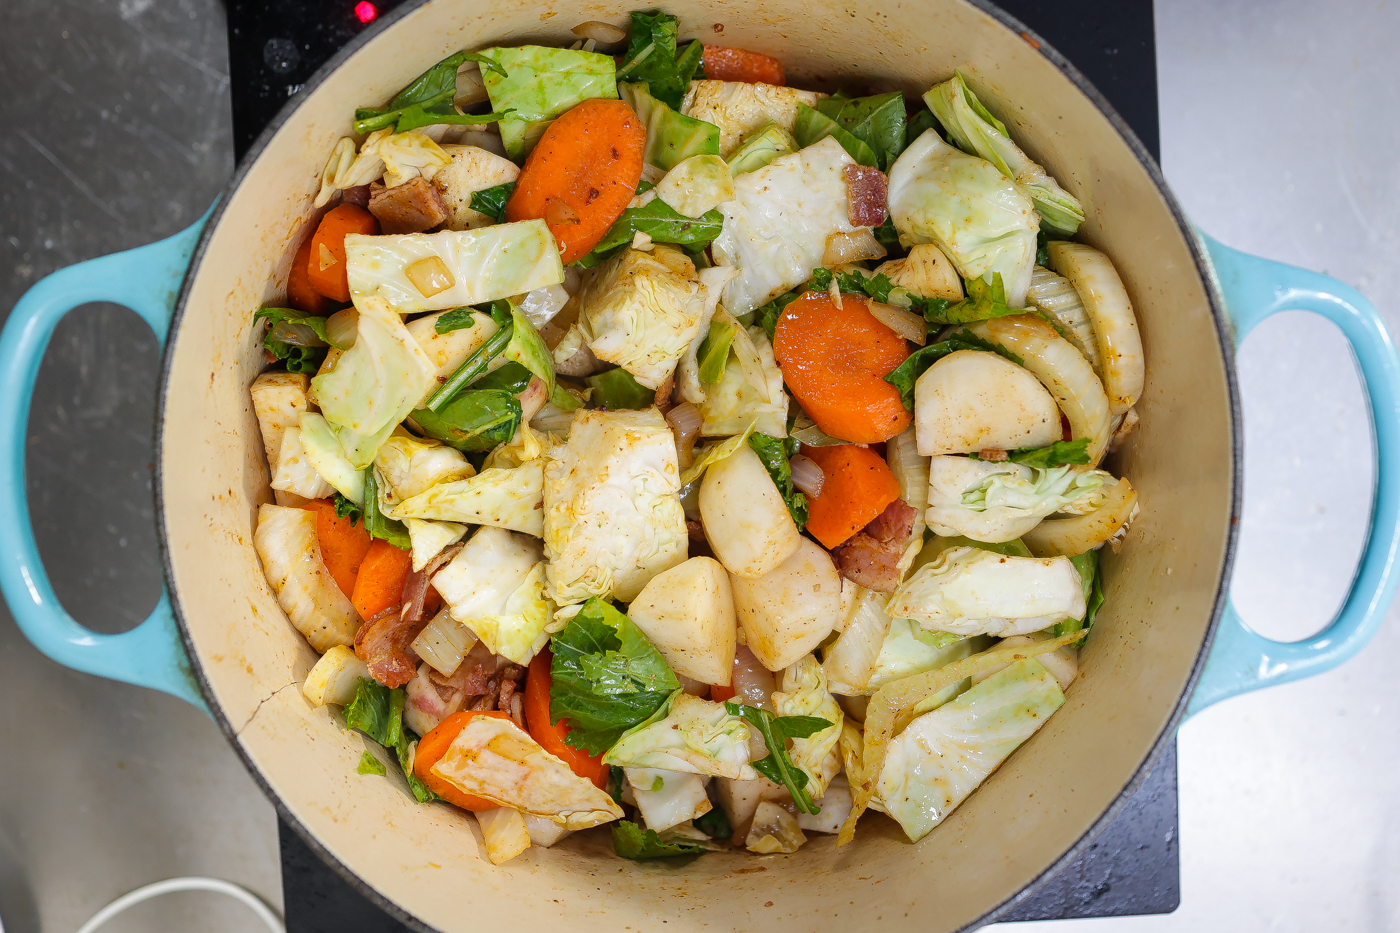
871, 563
895, 524
867, 190
358, 196
411, 207
663, 394
383, 644
416, 588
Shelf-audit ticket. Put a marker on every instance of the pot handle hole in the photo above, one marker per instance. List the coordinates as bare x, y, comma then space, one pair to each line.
1241, 659
146, 280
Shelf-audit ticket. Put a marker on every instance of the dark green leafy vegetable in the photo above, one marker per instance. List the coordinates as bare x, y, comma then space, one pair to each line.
1059, 453
714, 824
607, 677
888, 237
919, 123
474, 367
766, 316
428, 98
616, 777
511, 377
876, 121
456, 319
631, 841
402, 749
880, 288
652, 57
370, 710
775, 453
370, 765
903, 376
778, 766
985, 300
381, 526
617, 390
298, 358
813, 126
492, 201
344, 508
661, 222
714, 351
476, 420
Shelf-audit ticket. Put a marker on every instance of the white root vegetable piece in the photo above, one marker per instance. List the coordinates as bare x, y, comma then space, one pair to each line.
505, 833
745, 518
294, 472
774, 829
688, 613
306, 591
925, 272
1054, 295
471, 170
334, 677
739, 799
1080, 533
972, 400
667, 798
1120, 345
278, 401
450, 350
543, 833
835, 807
1060, 368
788, 611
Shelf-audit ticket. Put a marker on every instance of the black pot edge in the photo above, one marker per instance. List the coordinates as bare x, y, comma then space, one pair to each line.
1223, 332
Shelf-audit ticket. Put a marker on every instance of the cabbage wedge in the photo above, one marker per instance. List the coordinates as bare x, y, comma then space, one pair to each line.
1001, 501
803, 692
291, 558
690, 735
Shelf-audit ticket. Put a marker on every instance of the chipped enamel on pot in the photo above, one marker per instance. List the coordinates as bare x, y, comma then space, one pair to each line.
427, 863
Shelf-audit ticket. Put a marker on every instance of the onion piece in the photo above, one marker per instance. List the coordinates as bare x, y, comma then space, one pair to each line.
1094, 278
907, 324
471, 89
1056, 537
902, 454
1054, 295
342, 328
599, 31
807, 476
751, 682
685, 422
1062, 369
298, 335
852, 247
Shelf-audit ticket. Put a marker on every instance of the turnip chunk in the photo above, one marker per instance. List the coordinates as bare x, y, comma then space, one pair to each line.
972, 400
745, 519
688, 613
791, 609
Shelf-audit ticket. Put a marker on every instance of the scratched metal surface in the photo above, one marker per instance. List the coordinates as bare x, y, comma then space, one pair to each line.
1278, 135
118, 133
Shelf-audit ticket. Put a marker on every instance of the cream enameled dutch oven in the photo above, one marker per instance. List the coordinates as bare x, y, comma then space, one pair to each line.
1166, 643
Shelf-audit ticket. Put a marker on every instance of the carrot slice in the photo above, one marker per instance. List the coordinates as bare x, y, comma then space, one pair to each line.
550, 735
835, 361
300, 293
343, 545
325, 264
434, 745
726, 64
857, 487
379, 583
582, 174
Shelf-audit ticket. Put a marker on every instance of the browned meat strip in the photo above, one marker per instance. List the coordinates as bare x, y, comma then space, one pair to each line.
872, 563
411, 207
415, 588
358, 195
383, 644
866, 192
895, 524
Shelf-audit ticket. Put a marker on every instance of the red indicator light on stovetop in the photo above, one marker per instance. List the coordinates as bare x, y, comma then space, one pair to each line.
365, 11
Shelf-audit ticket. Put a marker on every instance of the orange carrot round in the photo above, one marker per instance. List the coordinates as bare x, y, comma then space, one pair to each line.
582, 174
325, 264
858, 485
343, 545
550, 735
379, 582
300, 293
434, 745
726, 64
835, 361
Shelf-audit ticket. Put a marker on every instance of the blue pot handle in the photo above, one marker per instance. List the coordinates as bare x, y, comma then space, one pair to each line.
1241, 659
146, 280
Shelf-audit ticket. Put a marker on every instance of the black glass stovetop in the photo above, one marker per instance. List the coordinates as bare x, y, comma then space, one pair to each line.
1133, 866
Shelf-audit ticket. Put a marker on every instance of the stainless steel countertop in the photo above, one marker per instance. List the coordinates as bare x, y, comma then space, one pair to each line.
1279, 136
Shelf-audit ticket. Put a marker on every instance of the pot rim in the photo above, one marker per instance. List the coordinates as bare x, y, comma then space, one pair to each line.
1223, 333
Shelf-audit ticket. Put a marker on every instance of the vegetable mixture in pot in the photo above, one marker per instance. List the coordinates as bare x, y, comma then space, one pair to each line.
658, 445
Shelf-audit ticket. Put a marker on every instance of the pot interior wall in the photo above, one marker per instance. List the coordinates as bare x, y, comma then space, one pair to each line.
426, 859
